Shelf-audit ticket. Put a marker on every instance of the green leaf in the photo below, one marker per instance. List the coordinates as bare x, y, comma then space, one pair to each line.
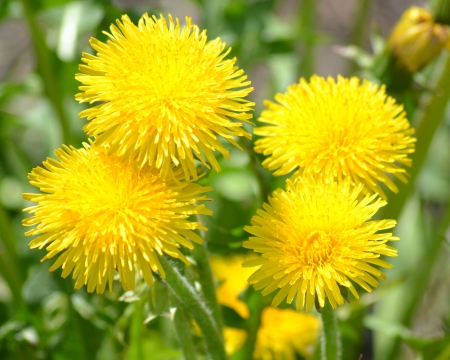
39, 284
158, 298
236, 186
357, 54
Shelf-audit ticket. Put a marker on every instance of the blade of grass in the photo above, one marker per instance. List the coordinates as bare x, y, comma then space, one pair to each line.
419, 280
46, 69
9, 260
10, 274
358, 33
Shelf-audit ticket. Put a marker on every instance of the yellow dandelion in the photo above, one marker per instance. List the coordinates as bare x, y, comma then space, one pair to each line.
100, 215
416, 39
314, 237
166, 94
283, 333
338, 129
233, 280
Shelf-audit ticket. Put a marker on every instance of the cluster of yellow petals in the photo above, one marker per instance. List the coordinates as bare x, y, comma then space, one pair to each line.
315, 237
101, 214
163, 97
232, 281
283, 333
337, 130
166, 94
416, 39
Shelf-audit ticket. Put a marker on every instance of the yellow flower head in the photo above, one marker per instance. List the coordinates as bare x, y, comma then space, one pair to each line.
337, 129
100, 215
314, 237
283, 333
165, 93
416, 39
233, 280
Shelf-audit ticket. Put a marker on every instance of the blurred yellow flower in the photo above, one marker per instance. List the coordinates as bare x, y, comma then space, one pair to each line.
416, 39
100, 215
233, 278
283, 333
314, 237
234, 339
337, 129
165, 94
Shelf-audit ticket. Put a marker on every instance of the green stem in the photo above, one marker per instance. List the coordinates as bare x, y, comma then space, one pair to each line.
182, 325
213, 18
256, 303
330, 336
419, 280
441, 11
187, 295
264, 188
307, 19
427, 118
137, 322
358, 34
11, 275
9, 260
201, 256
7, 234
46, 68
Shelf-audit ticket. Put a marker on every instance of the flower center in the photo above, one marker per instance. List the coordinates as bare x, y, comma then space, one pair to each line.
317, 247
110, 196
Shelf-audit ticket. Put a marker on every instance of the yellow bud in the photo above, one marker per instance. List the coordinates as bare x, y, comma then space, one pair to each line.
416, 39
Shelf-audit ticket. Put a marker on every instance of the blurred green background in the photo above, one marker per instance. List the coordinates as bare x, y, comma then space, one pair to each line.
276, 42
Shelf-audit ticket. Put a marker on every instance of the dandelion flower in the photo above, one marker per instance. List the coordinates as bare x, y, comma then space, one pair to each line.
166, 94
283, 333
314, 237
416, 39
233, 280
100, 215
338, 129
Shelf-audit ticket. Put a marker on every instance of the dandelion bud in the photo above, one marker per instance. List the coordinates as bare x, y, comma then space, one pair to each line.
417, 39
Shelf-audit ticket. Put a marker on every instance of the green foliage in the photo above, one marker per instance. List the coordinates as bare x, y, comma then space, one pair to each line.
42, 317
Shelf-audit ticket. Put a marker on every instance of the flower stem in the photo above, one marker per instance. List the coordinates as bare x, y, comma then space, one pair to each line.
201, 256
264, 187
330, 336
256, 304
306, 20
359, 30
428, 119
137, 322
187, 295
441, 10
182, 326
